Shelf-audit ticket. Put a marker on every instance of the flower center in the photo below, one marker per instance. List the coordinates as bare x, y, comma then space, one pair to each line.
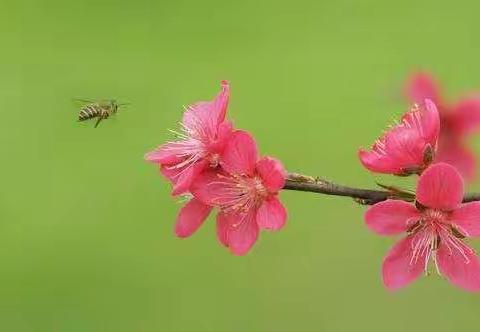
242, 194
434, 217
259, 189
214, 160
431, 231
188, 148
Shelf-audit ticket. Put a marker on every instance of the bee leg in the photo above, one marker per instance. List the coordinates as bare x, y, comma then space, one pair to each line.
98, 121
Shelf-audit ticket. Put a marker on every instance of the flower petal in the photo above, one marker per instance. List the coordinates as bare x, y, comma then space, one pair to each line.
425, 120
212, 188
220, 103
225, 130
467, 219
465, 116
182, 178
222, 228
271, 214
191, 217
391, 217
440, 187
406, 147
240, 155
239, 231
461, 268
204, 117
421, 86
430, 122
272, 173
399, 269
242, 237
454, 153
379, 163
165, 154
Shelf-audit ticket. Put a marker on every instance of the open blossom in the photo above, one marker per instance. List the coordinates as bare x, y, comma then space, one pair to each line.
435, 230
246, 193
407, 147
200, 143
458, 120
203, 137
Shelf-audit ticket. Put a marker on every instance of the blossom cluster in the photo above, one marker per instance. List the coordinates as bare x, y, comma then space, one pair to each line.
428, 143
218, 167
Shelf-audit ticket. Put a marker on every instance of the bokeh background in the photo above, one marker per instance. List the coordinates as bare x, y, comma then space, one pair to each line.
86, 226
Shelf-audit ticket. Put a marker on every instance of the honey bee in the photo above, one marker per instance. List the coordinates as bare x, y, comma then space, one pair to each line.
100, 110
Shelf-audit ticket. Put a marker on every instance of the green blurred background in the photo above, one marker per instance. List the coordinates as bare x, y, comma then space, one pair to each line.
86, 226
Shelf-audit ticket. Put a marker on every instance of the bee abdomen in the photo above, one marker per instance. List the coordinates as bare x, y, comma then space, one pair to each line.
89, 112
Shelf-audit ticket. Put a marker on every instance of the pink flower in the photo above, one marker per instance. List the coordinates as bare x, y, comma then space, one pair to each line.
201, 142
245, 192
408, 147
204, 135
457, 120
435, 228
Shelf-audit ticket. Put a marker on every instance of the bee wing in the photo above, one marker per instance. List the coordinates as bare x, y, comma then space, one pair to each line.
83, 101
80, 104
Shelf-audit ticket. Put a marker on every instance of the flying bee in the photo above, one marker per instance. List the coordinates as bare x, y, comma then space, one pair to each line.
100, 110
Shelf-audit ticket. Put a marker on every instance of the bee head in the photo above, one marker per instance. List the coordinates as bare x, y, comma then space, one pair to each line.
114, 105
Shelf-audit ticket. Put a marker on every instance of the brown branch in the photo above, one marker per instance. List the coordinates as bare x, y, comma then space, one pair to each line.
300, 182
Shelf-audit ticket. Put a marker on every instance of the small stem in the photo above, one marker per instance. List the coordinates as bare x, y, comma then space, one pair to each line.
300, 182
471, 197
